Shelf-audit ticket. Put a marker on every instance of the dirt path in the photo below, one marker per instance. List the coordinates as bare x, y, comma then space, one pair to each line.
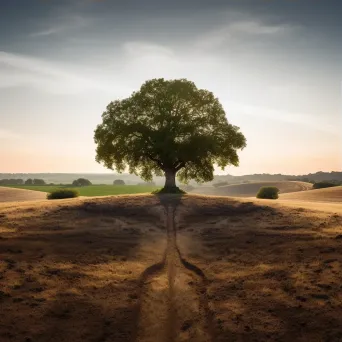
174, 305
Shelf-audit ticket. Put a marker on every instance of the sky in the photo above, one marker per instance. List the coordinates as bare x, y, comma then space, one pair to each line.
275, 65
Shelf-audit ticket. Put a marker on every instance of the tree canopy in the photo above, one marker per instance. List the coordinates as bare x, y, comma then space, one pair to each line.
81, 182
119, 182
168, 127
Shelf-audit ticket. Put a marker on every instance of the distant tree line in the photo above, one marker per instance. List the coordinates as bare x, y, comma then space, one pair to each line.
20, 181
325, 184
11, 181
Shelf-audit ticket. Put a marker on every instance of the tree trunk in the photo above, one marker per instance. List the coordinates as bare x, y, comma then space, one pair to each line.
170, 179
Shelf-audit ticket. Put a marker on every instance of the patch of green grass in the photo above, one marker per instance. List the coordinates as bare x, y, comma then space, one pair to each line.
93, 190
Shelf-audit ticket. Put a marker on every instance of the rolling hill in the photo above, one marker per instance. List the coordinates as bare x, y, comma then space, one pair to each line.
333, 194
251, 189
20, 195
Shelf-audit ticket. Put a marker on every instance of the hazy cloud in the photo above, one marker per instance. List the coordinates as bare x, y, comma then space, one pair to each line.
20, 70
240, 30
62, 25
283, 116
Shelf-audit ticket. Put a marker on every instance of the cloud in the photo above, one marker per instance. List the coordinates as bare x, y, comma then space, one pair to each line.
252, 27
240, 30
26, 71
62, 24
284, 116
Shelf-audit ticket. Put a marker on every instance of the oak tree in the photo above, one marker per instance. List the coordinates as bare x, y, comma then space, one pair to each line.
168, 127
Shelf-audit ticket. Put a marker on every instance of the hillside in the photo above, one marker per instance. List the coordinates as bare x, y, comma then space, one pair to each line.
265, 177
251, 189
20, 195
333, 194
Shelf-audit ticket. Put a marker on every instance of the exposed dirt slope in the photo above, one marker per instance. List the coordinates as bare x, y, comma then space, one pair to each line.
171, 269
251, 189
20, 195
333, 194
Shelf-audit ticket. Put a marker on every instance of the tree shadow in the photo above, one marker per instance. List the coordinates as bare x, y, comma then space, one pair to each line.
273, 274
71, 272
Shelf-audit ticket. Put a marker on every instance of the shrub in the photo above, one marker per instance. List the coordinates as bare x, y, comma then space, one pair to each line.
119, 182
322, 185
81, 182
29, 181
268, 192
62, 193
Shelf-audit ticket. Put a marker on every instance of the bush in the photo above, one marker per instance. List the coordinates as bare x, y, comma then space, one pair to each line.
119, 182
62, 193
322, 185
81, 182
268, 192
29, 181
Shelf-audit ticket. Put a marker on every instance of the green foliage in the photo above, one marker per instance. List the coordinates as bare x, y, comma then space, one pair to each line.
29, 181
63, 193
119, 182
322, 185
223, 183
81, 182
168, 127
268, 192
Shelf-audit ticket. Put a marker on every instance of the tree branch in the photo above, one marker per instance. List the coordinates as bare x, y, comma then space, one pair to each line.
160, 164
179, 166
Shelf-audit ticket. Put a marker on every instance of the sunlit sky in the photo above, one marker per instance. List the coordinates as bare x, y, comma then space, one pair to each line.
276, 67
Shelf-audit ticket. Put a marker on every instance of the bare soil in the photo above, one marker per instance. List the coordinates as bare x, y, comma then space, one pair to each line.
169, 268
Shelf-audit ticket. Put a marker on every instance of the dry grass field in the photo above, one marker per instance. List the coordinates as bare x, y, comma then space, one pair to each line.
148, 268
20, 195
333, 194
251, 189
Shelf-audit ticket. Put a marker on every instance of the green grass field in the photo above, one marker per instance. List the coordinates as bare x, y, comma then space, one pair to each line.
93, 190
